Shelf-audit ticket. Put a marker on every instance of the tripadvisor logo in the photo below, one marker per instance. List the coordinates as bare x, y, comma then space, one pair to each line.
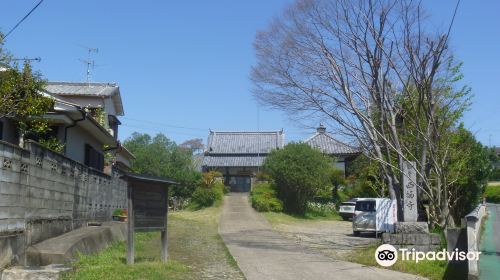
387, 255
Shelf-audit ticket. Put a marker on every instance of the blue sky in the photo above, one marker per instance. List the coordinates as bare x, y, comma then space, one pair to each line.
183, 66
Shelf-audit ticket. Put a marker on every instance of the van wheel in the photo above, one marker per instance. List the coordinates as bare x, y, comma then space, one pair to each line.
355, 233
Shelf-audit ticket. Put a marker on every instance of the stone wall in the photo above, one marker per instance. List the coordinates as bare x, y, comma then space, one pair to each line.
474, 220
44, 194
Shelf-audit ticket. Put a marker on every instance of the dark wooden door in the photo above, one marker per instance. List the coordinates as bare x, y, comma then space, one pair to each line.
240, 183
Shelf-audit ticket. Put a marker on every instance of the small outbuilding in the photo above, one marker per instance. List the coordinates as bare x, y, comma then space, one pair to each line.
147, 209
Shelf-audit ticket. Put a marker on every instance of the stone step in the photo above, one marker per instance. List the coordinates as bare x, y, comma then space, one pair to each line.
65, 248
49, 272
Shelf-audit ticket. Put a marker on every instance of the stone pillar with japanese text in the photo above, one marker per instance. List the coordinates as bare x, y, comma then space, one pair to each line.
410, 212
410, 222
410, 233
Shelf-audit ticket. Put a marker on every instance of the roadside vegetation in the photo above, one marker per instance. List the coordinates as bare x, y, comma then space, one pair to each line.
492, 193
299, 173
210, 191
434, 270
196, 251
297, 184
263, 198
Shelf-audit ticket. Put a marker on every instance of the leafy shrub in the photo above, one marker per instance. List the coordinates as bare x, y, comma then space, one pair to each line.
52, 144
321, 209
210, 191
299, 172
204, 197
179, 202
263, 176
492, 194
218, 188
495, 175
263, 197
210, 178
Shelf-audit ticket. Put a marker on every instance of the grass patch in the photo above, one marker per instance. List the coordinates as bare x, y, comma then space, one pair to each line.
196, 251
111, 263
433, 270
492, 192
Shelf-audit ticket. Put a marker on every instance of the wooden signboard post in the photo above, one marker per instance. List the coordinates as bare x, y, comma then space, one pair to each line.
147, 209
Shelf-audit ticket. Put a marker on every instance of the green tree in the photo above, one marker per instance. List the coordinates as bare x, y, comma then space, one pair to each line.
471, 163
160, 156
21, 99
365, 179
299, 172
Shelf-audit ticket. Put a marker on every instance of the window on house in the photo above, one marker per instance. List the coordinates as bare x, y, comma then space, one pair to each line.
53, 131
93, 158
1, 130
113, 125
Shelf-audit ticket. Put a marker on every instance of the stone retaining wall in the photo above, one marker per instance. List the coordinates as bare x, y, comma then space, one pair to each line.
474, 220
44, 194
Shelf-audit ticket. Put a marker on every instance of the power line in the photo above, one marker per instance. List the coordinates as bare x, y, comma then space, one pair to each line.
288, 132
25, 17
167, 125
161, 131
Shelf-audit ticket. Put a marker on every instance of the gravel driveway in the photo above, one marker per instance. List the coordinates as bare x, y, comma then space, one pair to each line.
331, 238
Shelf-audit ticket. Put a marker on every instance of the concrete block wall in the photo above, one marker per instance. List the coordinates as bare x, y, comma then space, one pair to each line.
44, 194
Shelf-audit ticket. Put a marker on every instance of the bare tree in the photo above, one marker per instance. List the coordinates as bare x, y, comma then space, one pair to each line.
195, 145
374, 70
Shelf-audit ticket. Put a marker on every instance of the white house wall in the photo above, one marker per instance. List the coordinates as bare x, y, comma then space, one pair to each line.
89, 101
76, 139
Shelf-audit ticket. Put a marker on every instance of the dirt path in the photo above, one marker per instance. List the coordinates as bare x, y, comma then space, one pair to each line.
263, 253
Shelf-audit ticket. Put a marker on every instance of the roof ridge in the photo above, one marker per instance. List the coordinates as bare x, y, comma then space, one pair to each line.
246, 132
112, 84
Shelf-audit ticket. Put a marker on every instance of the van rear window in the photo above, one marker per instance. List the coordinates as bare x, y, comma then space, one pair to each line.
365, 206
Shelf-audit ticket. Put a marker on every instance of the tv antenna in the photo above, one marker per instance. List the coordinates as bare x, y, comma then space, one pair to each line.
89, 62
37, 59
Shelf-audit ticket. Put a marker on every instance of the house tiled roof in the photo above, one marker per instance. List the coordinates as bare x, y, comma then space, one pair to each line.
329, 145
87, 89
81, 89
244, 142
240, 149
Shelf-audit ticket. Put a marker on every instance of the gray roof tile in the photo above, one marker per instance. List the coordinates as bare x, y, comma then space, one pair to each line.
329, 145
244, 142
85, 89
240, 149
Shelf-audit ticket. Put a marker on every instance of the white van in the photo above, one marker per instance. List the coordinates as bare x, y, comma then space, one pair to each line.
374, 215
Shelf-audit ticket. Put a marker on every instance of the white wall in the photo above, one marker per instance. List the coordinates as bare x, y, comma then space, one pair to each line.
106, 103
75, 143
